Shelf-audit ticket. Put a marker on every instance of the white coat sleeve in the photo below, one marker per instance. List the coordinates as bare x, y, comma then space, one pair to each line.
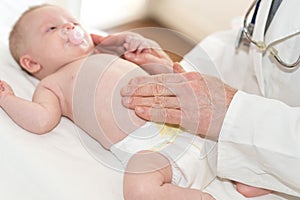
259, 144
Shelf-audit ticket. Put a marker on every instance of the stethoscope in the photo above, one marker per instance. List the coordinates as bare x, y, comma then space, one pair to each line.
245, 37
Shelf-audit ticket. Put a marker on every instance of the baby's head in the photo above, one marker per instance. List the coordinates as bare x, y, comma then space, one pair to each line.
44, 39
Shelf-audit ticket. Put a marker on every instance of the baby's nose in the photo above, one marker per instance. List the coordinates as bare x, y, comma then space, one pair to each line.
69, 26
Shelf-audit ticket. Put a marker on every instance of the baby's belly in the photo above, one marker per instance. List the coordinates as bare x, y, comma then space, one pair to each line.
97, 102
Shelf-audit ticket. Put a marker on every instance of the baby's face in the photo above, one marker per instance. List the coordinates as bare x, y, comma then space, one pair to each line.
46, 33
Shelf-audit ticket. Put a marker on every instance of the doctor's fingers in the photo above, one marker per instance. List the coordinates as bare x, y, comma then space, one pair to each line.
167, 78
187, 120
154, 102
176, 96
182, 88
160, 115
146, 90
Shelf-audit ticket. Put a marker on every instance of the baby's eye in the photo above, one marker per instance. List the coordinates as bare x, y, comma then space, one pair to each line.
76, 24
51, 28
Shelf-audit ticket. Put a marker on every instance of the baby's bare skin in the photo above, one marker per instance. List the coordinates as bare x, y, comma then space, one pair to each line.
62, 85
51, 55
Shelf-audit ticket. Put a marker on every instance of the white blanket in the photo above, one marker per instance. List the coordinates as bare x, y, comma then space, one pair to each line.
56, 165
52, 166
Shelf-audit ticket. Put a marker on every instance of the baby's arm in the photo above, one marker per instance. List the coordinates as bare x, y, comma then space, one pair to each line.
38, 116
137, 49
147, 54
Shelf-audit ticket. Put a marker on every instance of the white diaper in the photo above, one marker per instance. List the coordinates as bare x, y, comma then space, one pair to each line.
193, 159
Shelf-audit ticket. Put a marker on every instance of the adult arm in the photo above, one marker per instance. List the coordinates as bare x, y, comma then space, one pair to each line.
259, 140
259, 144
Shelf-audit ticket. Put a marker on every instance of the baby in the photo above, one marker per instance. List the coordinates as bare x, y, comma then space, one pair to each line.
50, 44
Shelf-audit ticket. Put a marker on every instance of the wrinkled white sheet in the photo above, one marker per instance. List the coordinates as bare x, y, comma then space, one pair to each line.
53, 166
56, 165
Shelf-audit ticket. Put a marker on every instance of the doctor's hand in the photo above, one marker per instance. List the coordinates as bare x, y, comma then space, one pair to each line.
137, 49
194, 101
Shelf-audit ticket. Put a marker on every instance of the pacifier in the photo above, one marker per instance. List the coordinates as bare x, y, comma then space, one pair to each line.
76, 35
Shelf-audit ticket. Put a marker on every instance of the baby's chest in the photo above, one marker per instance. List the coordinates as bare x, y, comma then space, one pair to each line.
64, 90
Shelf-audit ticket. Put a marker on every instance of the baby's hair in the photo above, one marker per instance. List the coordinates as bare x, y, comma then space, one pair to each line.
16, 37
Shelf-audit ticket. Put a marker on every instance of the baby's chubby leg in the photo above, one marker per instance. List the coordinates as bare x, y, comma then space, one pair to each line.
148, 176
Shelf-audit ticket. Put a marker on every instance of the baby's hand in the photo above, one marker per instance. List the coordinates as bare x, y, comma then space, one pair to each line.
137, 49
121, 43
137, 43
5, 90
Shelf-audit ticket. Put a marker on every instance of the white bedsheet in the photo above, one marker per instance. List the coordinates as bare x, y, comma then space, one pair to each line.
52, 166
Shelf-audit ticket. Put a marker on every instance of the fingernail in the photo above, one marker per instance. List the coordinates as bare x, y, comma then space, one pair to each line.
126, 100
125, 90
139, 110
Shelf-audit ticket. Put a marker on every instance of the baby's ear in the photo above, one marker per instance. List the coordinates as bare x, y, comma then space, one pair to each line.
29, 64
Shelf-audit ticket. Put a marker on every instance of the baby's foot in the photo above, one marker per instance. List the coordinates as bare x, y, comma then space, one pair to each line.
250, 191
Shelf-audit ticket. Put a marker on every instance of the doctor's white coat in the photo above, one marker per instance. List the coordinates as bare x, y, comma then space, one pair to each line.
259, 142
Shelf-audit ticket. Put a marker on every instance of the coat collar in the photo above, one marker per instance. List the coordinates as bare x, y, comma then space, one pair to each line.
283, 24
258, 35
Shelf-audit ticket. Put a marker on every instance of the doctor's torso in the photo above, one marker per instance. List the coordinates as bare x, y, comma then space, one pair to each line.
274, 80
